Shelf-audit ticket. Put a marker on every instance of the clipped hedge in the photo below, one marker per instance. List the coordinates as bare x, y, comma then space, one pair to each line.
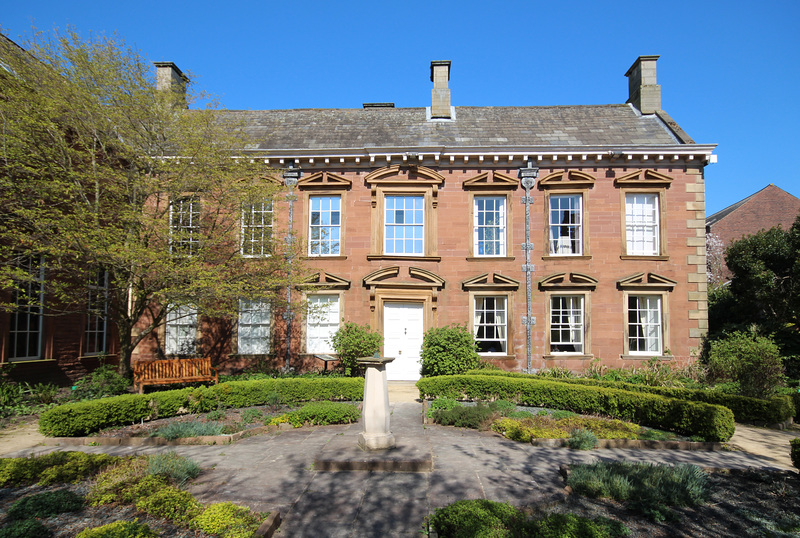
746, 410
711, 422
82, 418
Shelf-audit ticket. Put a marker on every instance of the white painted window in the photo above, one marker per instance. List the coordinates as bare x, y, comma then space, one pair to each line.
96, 317
489, 226
256, 233
322, 321
25, 331
566, 225
641, 224
254, 327
490, 324
566, 324
324, 226
404, 225
644, 325
185, 226
181, 331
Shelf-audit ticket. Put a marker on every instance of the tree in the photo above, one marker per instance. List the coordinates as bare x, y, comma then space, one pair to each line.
102, 173
765, 288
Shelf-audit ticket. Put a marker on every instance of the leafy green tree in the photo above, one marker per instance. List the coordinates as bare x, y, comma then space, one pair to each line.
94, 159
353, 341
448, 351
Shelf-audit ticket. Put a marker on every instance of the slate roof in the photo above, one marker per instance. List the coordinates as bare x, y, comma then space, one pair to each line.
475, 127
722, 213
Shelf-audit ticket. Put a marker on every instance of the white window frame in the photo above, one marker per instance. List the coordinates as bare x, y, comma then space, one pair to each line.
565, 238
95, 336
25, 327
486, 327
645, 324
489, 222
642, 223
568, 317
184, 227
391, 214
256, 229
180, 331
325, 235
253, 328
322, 321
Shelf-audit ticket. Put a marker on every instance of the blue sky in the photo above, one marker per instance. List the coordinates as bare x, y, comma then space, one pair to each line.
729, 71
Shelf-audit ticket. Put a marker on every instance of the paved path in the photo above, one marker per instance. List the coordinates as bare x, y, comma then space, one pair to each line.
276, 471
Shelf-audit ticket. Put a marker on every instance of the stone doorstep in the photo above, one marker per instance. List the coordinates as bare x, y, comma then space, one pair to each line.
160, 441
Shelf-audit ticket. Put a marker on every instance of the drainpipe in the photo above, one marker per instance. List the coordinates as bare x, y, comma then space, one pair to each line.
290, 178
528, 177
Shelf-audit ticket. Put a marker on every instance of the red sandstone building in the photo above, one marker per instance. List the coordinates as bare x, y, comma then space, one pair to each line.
558, 235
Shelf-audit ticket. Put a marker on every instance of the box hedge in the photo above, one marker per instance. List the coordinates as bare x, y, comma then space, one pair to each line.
746, 410
711, 422
82, 418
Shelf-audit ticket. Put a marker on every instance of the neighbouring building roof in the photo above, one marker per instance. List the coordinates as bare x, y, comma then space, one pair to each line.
769, 207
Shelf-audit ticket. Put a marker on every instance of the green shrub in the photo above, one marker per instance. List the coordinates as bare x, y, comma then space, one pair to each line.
45, 504
477, 518
172, 465
572, 526
115, 483
25, 528
44, 393
477, 417
53, 468
652, 488
581, 439
441, 403
171, 503
752, 361
795, 452
103, 382
711, 422
747, 410
192, 428
353, 341
228, 521
119, 529
82, 418
448, 351
323, 413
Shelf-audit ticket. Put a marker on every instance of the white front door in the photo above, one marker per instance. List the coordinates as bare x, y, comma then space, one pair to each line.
402, 333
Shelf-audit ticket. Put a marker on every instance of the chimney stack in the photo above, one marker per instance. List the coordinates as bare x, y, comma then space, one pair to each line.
643, 92
170, 78
440, 95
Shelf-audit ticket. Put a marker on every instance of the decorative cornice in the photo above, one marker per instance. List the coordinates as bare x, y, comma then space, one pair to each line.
571, 280
491, 180
495, 281
646, 281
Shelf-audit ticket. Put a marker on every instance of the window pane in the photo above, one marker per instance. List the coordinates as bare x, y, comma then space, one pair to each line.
321, 322
490, 324
566, 324
404, 225
489, 226
24, 331
566, 225
644, 324
641, 222
181, 331
254, 327
324, 227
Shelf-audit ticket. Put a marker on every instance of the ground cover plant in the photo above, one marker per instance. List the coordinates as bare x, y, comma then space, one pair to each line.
485, 518
320, 414
650, 489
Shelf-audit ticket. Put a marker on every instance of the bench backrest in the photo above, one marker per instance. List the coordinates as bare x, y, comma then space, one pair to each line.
174, 368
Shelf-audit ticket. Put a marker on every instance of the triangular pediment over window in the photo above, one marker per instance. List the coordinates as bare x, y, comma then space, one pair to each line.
404, 175
494, 281
644, 177
568, 280
324, 180
491, 180
326, 280
646, 280
567, 179
415, 278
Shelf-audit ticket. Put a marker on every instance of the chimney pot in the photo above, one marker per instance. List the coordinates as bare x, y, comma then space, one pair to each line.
643, 91
440, 95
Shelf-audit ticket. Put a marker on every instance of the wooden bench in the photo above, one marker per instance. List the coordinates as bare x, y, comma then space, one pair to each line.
169, 371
